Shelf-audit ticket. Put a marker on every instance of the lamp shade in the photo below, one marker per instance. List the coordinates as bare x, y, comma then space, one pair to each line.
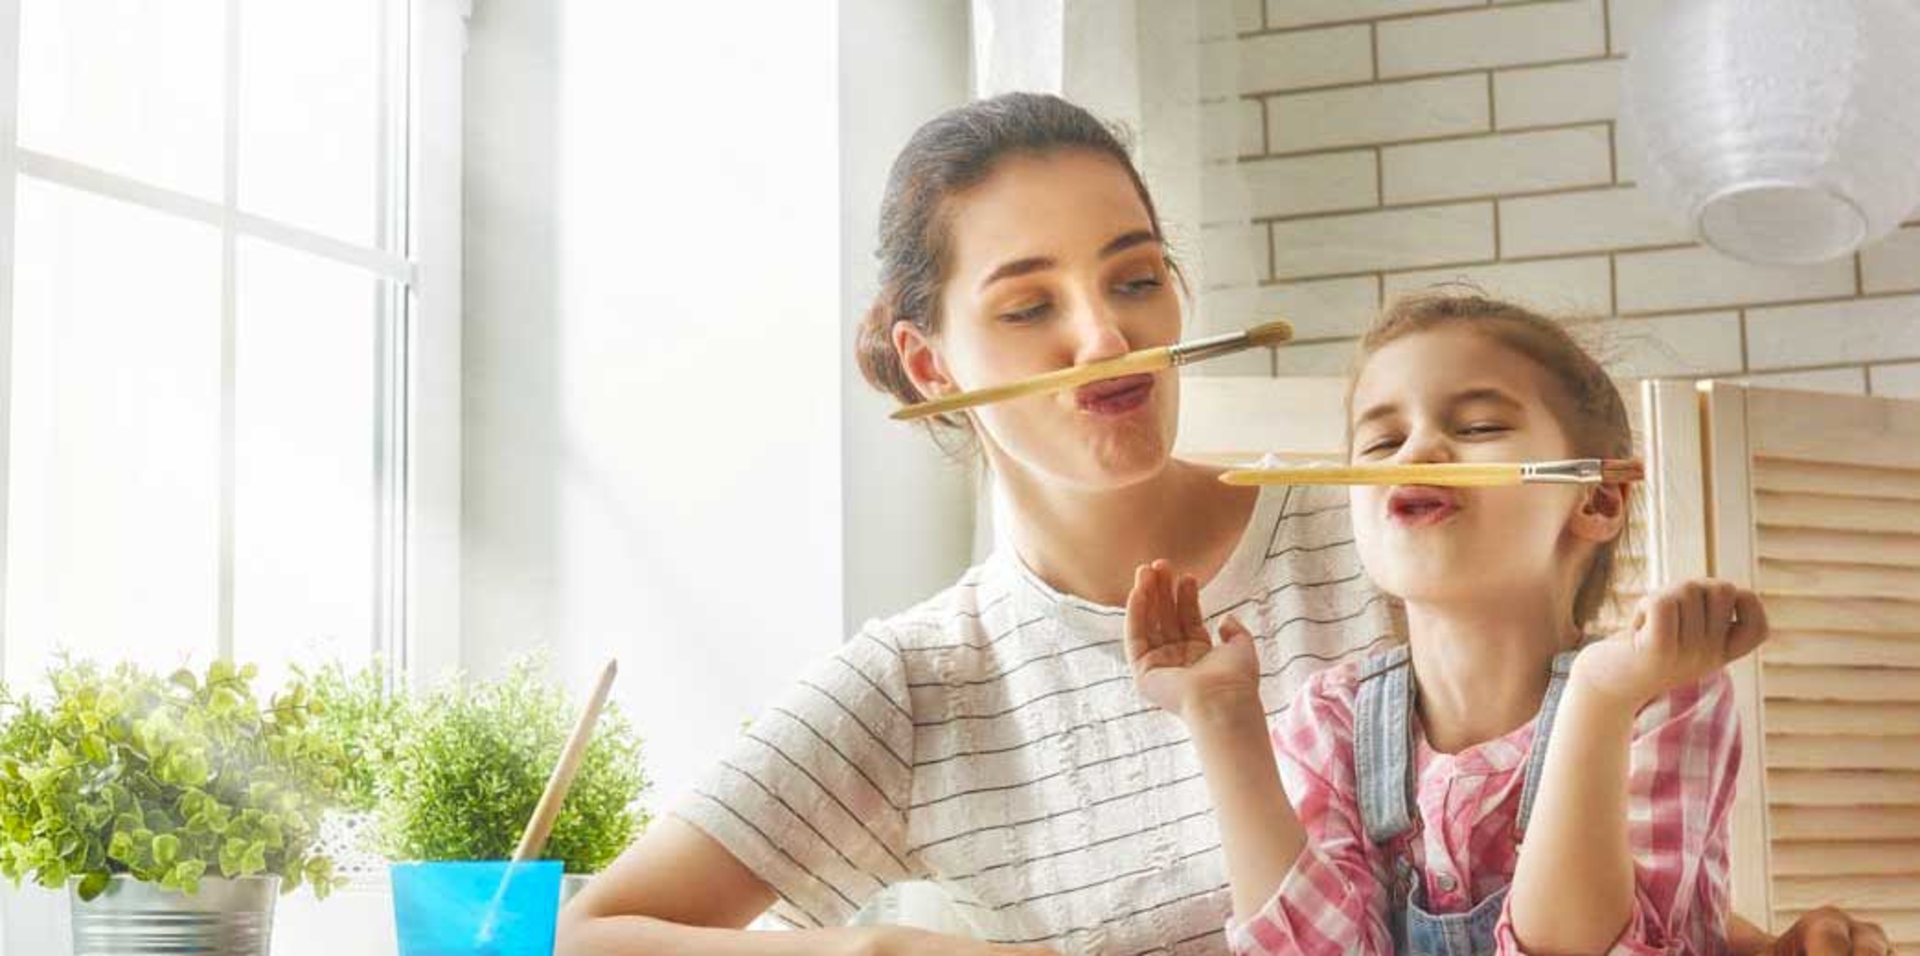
1788, 131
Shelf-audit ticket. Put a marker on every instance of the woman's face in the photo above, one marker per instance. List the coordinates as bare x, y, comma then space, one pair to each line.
1456, 395
1054, 263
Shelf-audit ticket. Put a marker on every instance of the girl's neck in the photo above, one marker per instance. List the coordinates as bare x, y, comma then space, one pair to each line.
1481, 666
1088, 543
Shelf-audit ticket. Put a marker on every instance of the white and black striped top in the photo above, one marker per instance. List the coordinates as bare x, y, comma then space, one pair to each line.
991, 740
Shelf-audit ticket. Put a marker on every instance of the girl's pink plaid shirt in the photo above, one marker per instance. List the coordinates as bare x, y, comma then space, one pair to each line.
1682, 766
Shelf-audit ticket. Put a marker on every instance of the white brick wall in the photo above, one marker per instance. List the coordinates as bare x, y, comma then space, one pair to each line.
1384, 112
1581, 92
1580, 286
1492, 37
1586, 221
1322, 182
1322, 309
1893, 265
1388, 145
1384, 240
1696, 277
1293, 13
1305, 58
1502, 163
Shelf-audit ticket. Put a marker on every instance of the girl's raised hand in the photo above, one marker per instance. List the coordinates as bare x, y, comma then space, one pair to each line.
1176, 664
1679, 635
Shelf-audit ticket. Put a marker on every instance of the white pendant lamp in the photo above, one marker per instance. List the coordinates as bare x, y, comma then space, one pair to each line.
1788, 131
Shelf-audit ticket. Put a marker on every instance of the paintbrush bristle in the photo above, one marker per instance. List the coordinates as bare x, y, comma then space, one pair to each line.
1270, 334
1620, 470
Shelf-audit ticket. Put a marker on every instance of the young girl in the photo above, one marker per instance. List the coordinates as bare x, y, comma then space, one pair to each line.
1506, 782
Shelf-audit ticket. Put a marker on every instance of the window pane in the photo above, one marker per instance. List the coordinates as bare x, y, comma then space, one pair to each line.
130, 86
310, 143
112, 516
305, 507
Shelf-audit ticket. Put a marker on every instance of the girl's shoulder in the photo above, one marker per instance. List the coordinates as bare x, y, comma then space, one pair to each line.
1322, 710
1338, 686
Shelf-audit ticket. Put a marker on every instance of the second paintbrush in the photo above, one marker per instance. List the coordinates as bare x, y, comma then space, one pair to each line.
1579, 471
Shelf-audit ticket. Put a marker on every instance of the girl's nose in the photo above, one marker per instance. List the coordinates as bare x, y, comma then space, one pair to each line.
1426, 447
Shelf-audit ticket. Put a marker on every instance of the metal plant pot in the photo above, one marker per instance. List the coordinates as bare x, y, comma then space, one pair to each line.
132, 918
571, 885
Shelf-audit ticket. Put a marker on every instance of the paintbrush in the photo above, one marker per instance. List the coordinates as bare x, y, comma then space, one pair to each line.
1578, 471
1133, 363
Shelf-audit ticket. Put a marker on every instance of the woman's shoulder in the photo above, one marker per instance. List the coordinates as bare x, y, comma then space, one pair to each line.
959, 613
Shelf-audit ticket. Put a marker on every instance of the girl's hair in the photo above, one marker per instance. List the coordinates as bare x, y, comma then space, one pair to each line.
1591, 410
952, 153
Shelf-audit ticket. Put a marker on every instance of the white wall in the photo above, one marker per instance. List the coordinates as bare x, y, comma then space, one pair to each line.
1377, 150
653, 368
907, 510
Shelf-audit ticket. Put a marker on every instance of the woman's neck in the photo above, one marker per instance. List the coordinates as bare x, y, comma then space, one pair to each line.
1481, 667
1088, 543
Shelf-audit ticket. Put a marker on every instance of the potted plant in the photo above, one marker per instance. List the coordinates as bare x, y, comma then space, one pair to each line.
454, 775
365, 721
172, 809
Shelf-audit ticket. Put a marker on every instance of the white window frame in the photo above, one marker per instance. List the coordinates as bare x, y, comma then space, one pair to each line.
418, 620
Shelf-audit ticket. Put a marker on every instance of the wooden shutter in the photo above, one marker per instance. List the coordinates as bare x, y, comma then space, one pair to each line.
1815, 500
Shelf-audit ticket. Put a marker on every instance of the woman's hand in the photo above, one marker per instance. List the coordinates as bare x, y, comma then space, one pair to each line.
1176, 664
1679, 635
901, 941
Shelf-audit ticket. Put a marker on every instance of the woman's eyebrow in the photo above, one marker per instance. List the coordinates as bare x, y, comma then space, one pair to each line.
1126, 241
1017, 267
1032, 264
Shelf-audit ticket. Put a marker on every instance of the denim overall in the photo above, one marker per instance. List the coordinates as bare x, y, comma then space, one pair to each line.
1383, 765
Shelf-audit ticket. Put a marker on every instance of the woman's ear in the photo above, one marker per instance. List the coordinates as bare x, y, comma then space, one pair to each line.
921, 361
1602, 514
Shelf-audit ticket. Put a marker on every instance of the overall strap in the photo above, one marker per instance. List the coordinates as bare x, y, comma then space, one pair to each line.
1543, 732
1383, 744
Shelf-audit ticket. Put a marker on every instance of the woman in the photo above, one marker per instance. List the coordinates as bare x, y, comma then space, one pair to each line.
989, 738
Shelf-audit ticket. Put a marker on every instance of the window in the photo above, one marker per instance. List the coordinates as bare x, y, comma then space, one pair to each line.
231, 296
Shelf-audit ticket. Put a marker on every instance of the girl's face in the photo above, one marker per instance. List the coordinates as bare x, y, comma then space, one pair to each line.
1054, 263
1456, 395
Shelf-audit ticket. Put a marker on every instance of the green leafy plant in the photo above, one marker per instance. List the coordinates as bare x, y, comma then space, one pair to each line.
166, 780
361, 718
471, 760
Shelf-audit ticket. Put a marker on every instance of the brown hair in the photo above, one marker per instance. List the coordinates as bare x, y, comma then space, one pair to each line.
1591, 411
952, 153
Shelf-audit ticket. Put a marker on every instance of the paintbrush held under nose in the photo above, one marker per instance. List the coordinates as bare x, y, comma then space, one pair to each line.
1579, 471
1133, 363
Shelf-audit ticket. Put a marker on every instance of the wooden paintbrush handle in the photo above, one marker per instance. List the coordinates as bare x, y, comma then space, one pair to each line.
1453, 475
534, 839
1147, 360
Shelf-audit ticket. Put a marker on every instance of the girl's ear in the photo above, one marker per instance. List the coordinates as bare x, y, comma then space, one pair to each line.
922, 362
1602, 514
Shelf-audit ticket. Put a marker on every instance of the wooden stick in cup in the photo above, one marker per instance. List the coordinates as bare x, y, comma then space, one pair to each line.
534, 839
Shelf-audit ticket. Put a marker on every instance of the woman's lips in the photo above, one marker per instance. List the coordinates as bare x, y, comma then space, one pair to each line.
1420, 506
1115, 396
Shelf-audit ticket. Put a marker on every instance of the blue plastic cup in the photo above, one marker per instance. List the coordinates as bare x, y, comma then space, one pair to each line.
488, 908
